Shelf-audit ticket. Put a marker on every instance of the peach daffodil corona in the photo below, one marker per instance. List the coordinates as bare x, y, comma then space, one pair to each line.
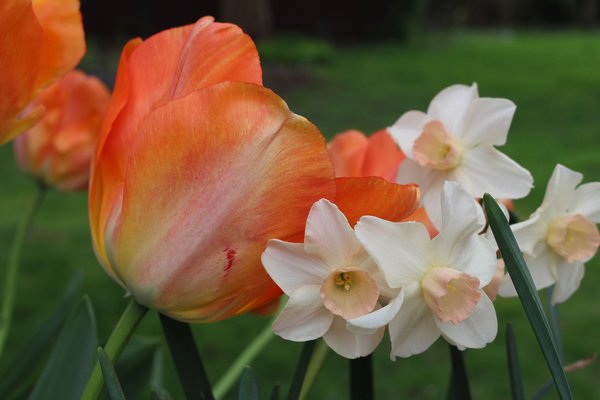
561, 235
40, 40
197, 166
455, 141
58, 150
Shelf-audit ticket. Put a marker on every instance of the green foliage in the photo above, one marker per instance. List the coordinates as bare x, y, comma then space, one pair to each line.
248, 386
294, 50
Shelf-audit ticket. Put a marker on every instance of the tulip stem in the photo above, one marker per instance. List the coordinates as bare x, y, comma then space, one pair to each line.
131, 317
235, 370
12, 270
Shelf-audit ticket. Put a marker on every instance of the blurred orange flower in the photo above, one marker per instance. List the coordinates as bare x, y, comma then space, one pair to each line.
197, 166
58, 150
40, 40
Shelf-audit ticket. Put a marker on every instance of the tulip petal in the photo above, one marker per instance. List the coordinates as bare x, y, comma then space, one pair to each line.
407, 129
587, 201
349, 344
211, 177
568, 279
485, 169
64, 42
398, 248
291, 267
383, 157
451, 104
414, 329
347, 151
487, 121
303, 317
477, 330
375, 196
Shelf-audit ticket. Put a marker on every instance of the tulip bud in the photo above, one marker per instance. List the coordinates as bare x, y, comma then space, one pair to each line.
58, 150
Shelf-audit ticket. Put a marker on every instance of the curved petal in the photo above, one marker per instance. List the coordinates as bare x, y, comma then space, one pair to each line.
196, 219
541, 269
407, 129
291, 267
368, 323
529, 233
486, 122
451, 104
347, 151
414, 329
383, 157
477, 330
560, 192
568, 279
485, 169
303, 318
587, 201
329, 236
397, 248
348, 344
460, 212
377, 197
63, 42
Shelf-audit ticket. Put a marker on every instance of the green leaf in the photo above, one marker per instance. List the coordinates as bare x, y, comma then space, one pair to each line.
361, 378
459, 382
187, 359
160, 394
300, 373
72, 359
140, 367
514, 369
16, 380
111, 381
519, 273
248, 386
275, 393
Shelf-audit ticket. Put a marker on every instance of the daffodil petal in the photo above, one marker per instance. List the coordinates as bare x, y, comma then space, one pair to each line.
529, 233
303, 318
476, 331
587, 201
487, 120
407, 129
568, 279
349, 344
368, 323
560, 191
397, 248
291, 267
541, 270
329, 236
414, 329
486, 170
451, 104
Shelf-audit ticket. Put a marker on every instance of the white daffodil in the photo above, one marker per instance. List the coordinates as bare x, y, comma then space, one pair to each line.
442, 278
561, 235
329, 279
455, 141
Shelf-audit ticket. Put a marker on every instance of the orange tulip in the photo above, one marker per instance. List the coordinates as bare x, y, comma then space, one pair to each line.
58, 150
353, 155
197, 166
40, 40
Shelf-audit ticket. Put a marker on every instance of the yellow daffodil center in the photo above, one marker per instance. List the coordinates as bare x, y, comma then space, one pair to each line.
435, 148
574, 237
349, 292
344, 280
450, 294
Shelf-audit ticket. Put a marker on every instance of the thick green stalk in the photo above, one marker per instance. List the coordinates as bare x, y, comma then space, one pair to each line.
12, 269
131, 317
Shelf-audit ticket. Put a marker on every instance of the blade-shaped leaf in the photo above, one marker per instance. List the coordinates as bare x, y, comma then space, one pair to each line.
111, 381
275, 393
459, 382
519, 273
187, 359
514, 369
72, 359
361, 378
300, 373
137, 366
248, 387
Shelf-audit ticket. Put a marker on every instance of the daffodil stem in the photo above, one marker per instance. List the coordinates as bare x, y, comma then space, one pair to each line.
235, 370
131, 317
314, 367
12, 269
554, 322
361, 378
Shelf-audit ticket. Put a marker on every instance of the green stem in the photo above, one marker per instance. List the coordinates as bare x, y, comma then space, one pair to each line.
314, 367
131, 317
12, 270
250, 352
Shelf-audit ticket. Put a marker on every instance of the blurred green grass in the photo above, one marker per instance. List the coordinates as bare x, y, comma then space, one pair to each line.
553, 77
